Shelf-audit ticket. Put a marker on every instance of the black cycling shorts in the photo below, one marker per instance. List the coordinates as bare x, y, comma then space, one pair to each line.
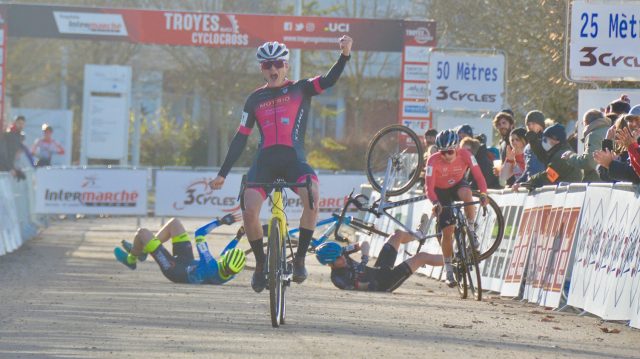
174, 267
279, 162
446, 197
389, 277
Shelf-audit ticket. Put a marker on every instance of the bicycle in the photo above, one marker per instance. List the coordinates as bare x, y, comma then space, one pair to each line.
465, 262
277, 269
350, 221
399, 149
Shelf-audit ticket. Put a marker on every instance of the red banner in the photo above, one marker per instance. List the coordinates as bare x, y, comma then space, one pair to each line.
3, 61
184, 28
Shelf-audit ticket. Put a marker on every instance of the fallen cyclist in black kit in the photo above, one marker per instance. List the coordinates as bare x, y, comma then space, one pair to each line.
349, 274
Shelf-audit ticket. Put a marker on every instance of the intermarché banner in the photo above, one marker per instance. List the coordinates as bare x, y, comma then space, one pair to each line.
185, 28
91, 191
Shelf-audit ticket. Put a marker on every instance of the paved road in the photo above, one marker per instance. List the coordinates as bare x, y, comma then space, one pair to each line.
63, 295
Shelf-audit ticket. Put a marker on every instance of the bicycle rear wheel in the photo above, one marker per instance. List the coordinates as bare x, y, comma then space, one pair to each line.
403, 147
490, 228
274, 257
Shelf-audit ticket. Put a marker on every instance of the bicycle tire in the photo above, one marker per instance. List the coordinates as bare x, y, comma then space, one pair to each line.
388, 142
459, 273
488, 247
283, 301
275, 272
472, 269
249, 252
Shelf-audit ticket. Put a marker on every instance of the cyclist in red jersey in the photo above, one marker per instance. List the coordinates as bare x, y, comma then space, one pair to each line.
445, 182
280, 109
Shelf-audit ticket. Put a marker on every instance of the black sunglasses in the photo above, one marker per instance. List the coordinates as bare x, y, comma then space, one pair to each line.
448, 152
266, 65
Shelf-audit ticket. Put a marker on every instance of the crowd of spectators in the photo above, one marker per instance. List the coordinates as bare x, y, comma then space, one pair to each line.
539, 152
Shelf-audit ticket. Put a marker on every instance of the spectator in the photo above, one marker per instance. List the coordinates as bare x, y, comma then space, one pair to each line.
480, 152
44, 148
628, 137
9, 150
615, 166
514, 165
620, 106
430, 137
503, 123
486, 166
595, 129
554, 143
17, 130
18, 125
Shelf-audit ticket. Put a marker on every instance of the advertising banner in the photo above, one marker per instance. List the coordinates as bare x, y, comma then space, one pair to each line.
630, 270
535, 262
3, 60
588, 241
10, 236
603, 42
105, 115
559, 253
414, 112
187, 194
516, 268
91, 191
604, 297
493, 268
208, 29
466, 81
60, 120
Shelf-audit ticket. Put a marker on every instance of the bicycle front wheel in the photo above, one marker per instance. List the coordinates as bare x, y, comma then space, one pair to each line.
472, 269
276, 271
395, 155
250, 264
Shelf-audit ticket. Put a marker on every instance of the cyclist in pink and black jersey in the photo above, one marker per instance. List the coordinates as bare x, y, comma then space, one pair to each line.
445, 182
280, 110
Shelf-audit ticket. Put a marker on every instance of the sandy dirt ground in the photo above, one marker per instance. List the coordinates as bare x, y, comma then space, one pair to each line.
64, 296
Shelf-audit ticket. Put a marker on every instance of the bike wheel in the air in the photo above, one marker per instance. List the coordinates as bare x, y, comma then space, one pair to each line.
276, 295
490, 228
400, 145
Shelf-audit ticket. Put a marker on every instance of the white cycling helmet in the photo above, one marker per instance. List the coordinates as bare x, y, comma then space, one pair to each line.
273, 50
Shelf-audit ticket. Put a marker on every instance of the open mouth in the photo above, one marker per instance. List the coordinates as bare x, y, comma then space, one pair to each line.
273, 77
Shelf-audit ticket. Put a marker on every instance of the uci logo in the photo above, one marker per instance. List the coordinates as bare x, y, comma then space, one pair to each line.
337, 27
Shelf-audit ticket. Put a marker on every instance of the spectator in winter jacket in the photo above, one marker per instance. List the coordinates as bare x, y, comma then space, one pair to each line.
482, 156
595, 130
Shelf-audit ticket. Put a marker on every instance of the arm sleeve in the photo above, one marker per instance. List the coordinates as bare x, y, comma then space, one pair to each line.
430, 181
475, 171
621, 171
634, 157
232, 244
203, 253
318, 84
207, 228
585, 161
536, 147
340, 283
239, 141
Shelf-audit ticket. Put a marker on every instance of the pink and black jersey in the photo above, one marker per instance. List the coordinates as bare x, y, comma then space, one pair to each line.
280, 114
442, 174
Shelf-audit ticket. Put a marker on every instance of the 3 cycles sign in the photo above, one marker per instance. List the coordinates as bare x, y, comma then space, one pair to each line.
604, 41
466, 81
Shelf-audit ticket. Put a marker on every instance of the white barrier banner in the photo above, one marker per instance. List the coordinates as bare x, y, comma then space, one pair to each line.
516, 268
587, 244
10, 236
603, 298
91, 191
535, 263
631, 267
187, 193
493, 268
559, 258
604, 40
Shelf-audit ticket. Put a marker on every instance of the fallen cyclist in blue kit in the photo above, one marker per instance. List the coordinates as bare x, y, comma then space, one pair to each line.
181, 266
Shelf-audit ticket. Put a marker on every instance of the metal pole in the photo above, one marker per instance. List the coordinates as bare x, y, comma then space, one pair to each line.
297, 58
